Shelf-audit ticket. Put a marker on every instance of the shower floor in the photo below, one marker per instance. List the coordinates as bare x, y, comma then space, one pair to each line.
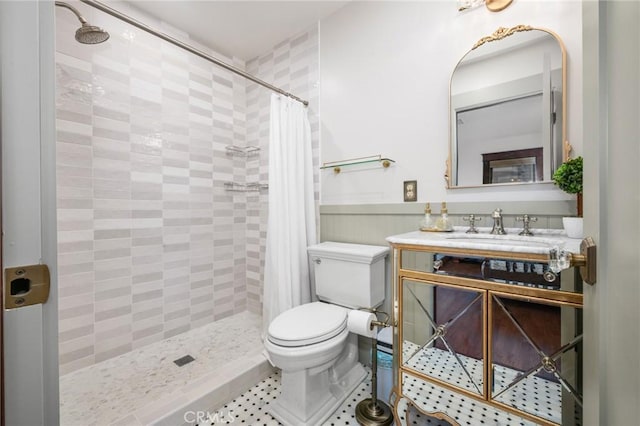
145, 386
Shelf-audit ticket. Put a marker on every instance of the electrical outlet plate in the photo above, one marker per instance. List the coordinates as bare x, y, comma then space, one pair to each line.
410, 190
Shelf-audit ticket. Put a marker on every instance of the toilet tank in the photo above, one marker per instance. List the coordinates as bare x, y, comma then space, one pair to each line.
351, 275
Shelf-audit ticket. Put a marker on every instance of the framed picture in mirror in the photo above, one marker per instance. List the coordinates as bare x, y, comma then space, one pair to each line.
522, 165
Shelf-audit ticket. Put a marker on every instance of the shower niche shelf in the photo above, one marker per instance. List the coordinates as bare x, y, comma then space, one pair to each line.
245, 187
242, 151
372, 159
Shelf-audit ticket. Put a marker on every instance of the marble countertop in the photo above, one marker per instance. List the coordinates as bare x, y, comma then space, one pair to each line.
539, 243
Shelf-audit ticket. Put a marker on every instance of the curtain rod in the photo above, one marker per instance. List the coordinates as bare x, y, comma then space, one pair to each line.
116, 14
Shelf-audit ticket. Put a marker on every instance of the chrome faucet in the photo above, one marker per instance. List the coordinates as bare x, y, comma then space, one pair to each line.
472, 219
498, 228
526, 220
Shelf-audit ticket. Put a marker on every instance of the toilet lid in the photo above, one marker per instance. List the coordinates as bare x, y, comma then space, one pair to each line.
308, 324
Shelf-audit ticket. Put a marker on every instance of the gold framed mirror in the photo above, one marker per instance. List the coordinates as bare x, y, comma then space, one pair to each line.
508, 96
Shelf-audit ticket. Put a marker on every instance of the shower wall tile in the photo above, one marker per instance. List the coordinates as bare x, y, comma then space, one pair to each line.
150, 243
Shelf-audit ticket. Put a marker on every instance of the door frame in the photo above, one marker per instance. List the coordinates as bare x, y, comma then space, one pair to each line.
27, 139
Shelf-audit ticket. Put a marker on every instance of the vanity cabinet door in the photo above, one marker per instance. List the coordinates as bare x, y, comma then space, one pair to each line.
442, 334
533, 353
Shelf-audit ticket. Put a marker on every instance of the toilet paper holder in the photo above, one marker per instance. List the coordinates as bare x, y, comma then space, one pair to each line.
378, 323
371, 411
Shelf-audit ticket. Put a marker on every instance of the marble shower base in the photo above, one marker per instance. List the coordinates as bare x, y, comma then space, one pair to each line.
145, 387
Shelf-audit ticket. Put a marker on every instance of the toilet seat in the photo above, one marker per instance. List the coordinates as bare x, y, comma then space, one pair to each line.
308, 324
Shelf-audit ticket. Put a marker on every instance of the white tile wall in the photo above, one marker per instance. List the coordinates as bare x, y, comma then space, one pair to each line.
150, 243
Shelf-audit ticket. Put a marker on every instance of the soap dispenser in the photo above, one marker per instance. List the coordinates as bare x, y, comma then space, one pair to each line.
444, 223
427, 223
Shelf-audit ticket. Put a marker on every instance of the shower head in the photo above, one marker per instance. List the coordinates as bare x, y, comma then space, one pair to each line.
87, 34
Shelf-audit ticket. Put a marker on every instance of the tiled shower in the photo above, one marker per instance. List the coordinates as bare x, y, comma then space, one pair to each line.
151, 243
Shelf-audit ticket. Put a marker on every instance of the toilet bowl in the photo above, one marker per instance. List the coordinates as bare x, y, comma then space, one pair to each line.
307, 336
319, 361
311, 343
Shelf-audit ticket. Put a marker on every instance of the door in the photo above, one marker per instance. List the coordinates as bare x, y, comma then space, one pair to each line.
611, 107
27, 118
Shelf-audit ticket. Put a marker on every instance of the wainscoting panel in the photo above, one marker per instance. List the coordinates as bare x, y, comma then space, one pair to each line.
372, 223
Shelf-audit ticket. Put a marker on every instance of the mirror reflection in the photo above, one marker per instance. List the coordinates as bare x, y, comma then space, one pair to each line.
535, 357
436, 340
507, 104
492, 328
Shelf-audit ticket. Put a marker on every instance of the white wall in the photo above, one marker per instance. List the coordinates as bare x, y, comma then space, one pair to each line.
384, 73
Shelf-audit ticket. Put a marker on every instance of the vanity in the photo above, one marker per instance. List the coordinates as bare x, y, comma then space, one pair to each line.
488, 323
488, 327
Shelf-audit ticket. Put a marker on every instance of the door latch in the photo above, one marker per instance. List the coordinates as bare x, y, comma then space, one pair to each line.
26, 285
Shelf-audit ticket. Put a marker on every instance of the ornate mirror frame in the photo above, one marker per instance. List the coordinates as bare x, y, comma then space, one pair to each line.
498, 35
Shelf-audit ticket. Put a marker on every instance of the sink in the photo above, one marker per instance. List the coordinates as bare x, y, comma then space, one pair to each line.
540, 243
502, 240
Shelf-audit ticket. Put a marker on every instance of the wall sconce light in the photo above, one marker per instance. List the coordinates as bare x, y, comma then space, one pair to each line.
469, 4
492, 5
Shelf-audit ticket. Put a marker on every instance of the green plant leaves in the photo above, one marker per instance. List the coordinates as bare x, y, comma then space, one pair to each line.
568, 177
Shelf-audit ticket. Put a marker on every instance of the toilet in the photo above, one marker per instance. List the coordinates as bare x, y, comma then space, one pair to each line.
311, 344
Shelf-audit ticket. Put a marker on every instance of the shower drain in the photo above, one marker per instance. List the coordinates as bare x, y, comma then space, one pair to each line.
184, 360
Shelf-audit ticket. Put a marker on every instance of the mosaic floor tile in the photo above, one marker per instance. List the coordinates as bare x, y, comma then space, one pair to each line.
534, 394
108, 391
251, 408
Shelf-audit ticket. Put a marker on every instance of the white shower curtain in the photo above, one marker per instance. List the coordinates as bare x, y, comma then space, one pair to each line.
292, 218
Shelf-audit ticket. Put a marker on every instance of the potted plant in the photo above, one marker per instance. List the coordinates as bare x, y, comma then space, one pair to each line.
568, 177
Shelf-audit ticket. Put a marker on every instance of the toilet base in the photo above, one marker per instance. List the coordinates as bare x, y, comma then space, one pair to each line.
321, 396
309, 396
